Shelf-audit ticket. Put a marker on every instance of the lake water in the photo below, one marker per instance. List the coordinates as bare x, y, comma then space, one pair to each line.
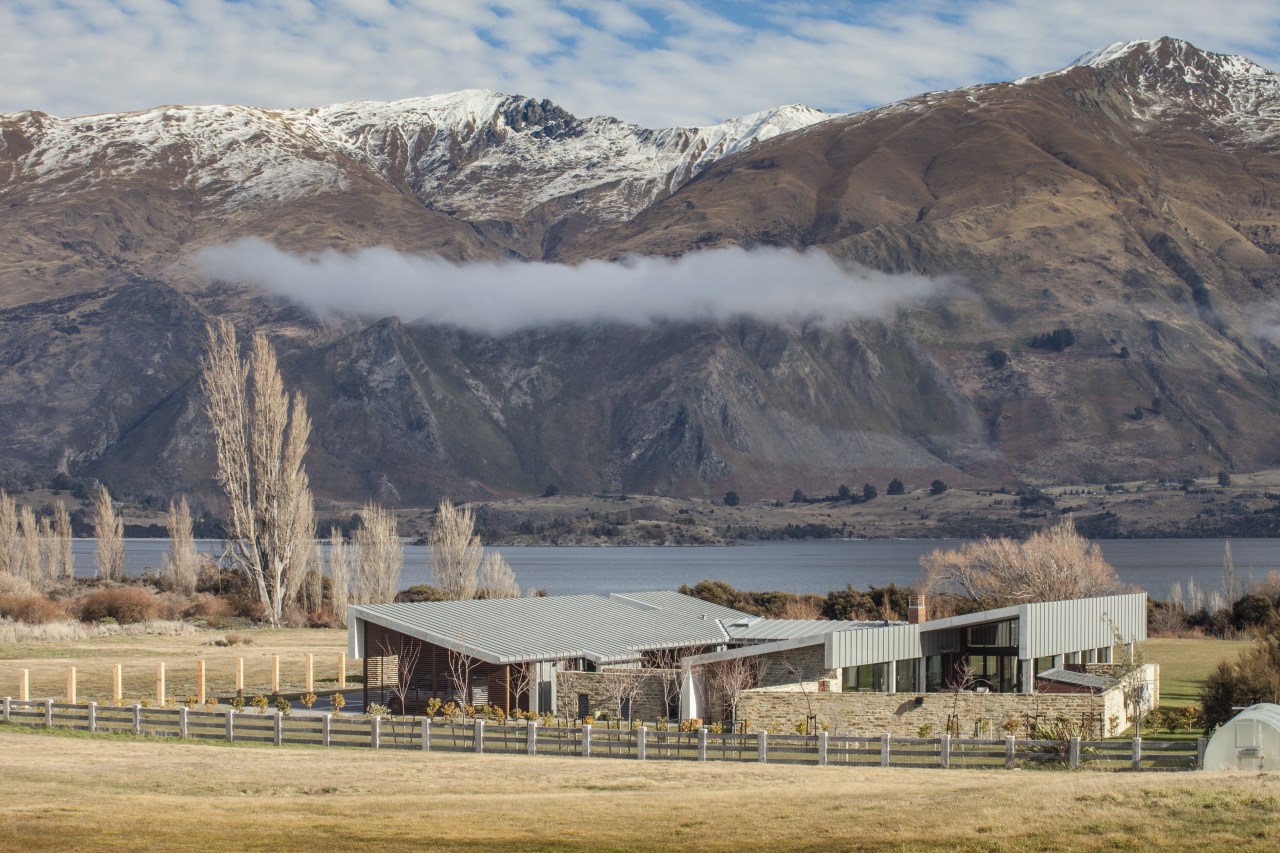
817, 567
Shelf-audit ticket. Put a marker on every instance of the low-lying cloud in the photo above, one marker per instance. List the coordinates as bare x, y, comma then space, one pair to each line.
771, 285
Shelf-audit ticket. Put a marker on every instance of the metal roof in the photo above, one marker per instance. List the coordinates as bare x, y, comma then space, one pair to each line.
600, 628
1080, 679
787, 629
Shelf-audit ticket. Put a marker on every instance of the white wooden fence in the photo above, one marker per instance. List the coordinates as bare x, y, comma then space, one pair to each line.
640, 743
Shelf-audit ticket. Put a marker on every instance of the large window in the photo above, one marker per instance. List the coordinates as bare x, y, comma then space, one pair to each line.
906, 681
871, 677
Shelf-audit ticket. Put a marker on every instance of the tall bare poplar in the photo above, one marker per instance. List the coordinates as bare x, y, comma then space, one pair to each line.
109, 530
182, 563
313, 583
261, 438
455, 551
64, 558
32, 565
339, 575
379, 556
496, 579
10, 554
49, 574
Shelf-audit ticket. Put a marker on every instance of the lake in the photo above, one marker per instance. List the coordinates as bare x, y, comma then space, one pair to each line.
817, 567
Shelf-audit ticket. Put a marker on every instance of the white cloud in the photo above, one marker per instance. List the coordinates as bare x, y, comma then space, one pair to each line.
494, 298
657, 62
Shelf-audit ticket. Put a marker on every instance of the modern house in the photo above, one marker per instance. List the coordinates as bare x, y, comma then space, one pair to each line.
562, 655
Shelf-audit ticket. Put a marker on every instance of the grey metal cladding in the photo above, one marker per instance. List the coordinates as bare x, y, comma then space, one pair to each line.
877, 645
1060, 627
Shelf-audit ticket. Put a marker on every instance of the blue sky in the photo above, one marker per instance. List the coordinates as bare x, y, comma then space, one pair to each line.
656, 62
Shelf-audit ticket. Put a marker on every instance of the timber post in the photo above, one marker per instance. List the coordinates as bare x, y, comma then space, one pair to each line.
231, 725
586, 741
240, 677
137, 719
702, 743
531, 737
71, 685
822, 749
342, 670
762, 746
1073, 753
479, 736
641, 736
885, 741
426, 734
278, 729
117, 686
326, 730
8, 711
93, 717
275, 674
311, 673
200, 685
1137, 754
160, 696
1201, 745
945, 749
375, 732
48, 713
24, 685
182, 722
1010, 751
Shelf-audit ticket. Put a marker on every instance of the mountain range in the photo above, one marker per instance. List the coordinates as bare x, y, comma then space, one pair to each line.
1106, 233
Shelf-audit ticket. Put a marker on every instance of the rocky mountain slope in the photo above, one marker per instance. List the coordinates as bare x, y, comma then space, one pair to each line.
1131, 199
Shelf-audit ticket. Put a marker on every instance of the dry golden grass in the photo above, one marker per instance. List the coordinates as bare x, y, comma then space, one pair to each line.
67, 792
138, 654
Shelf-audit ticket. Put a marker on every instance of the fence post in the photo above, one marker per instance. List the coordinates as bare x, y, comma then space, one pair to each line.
1010, 751
1073, 753
884, 749
160, 684
93, 717
531, 737
71, 685
326, 730
182, 722
342, 670
641, 735
822, 749
200, 691
239, 676
702, 743
1201, 745
137, 719
426, 734
945, 749
311, 673
24, 685
1137, 753
48, 713
586, 741
8, 712
375, 732
275, 673
117, 686
231, 725
762, 746
479, 738
278, 731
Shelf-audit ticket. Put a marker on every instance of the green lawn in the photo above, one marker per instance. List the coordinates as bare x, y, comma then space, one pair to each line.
1184, 665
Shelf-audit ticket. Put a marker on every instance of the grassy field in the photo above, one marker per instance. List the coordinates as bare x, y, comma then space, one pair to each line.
138, 655
1184, 664
73, 792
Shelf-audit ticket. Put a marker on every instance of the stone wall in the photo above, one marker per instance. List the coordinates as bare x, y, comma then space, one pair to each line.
810, 662
648, 703
781, 708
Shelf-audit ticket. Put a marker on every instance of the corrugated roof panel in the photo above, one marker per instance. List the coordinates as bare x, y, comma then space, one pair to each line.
786, 629
1079, 679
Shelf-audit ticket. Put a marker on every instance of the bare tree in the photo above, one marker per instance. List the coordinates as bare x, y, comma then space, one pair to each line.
496, 579
1230, 586
10, 555
339, 575
261, 438
622, 685
520, 681
182, 563
455, 551
49, 556
735, 676
667, 664
32, 567
379, 556
1051, 565
460, 668
406, 655
313, 583
64, 558
109, 530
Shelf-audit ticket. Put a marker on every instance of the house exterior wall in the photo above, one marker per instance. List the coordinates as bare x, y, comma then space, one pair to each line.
780, 708
808, 662
648, 704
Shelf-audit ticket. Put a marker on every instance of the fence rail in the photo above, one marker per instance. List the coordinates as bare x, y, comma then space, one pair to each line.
640, 743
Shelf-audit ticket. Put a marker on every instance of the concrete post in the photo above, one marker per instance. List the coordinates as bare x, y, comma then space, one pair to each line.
1059, 661
24, 685
586, 741
479, 737
117, 686
1137, 753
200, 686
893, 677
884, 749
48, 713
426, 735
702, 743
93, 717
922, 674
375, 732
1010, 751
641, 736
326, 730
160, 684
342, 670
946, 749
278, 729
762, 746
239, 676
1028, 668
71, 685
822, 749
275, 674
137, 719
1201, 745
8, 711
531, 737
1073, 753
311, 673
182, 722
231, 725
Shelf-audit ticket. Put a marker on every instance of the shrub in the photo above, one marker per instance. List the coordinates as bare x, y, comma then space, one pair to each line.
937, 487
237, 702
308, 699
31, 609
376, 710
731, 498
125, 604
284, 706
260, 702
16, 586
338, 702
209, 608
1055, 341
896, 487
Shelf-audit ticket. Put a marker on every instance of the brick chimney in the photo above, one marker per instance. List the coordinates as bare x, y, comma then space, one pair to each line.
916, 612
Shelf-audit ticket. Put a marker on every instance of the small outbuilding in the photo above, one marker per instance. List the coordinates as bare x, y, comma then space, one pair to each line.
1248, 741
